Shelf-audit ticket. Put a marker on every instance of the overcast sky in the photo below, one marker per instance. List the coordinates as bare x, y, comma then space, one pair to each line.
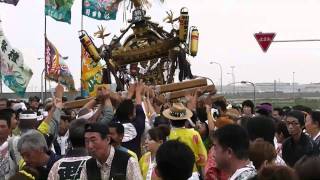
226, 36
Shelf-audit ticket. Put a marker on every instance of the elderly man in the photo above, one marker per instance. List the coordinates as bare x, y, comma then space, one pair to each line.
34, 150
107, 162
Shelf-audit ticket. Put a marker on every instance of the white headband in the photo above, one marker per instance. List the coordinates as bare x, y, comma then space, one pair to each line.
39, 118
45, 113
27, 116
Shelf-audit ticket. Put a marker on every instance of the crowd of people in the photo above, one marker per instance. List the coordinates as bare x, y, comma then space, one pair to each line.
137, 136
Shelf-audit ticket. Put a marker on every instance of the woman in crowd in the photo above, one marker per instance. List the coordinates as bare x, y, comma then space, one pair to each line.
155, 137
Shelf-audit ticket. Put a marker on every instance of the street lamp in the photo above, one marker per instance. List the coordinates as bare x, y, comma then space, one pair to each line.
196, 76
220, 74
254, 89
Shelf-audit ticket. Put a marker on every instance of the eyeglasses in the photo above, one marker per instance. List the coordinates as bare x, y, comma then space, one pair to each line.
292, 123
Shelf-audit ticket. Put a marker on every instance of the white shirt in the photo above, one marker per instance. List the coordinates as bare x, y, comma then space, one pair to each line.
244, 173
63, 143
133, 169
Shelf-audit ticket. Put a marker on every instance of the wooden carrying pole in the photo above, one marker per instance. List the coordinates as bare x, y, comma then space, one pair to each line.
181, 85
178, 94
168, 92
77, 103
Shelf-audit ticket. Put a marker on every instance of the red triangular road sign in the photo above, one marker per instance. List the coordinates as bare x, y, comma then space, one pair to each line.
264, 40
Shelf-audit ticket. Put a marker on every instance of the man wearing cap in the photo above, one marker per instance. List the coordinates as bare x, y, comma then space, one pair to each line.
179, 114
299, 144
107, 162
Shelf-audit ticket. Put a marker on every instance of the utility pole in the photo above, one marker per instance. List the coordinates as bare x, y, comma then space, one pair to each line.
233, 79
220, 74
293, 95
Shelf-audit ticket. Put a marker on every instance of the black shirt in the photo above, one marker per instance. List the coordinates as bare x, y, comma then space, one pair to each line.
293, 151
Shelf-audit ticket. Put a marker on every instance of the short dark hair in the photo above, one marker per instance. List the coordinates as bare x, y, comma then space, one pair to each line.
281, 127
244, 121
175, 160
261, 127
308, 169
299, 115
34, 98
302, 108
159, 133
6, 114
76, 132
285, 110
7, 101
280, 111
248, 103
201, 114
160, 120
119, 127
222, 104
234, 137
315, 116
178, 123
124, 110
79, 98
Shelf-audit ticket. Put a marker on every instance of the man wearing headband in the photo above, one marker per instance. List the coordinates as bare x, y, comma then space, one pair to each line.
28, 120
107, 162
178, 114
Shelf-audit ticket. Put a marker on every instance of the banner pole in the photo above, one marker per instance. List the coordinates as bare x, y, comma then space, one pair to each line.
81, 88
45, 63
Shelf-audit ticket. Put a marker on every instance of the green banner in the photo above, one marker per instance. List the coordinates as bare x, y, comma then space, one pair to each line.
100, 9
59, 10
